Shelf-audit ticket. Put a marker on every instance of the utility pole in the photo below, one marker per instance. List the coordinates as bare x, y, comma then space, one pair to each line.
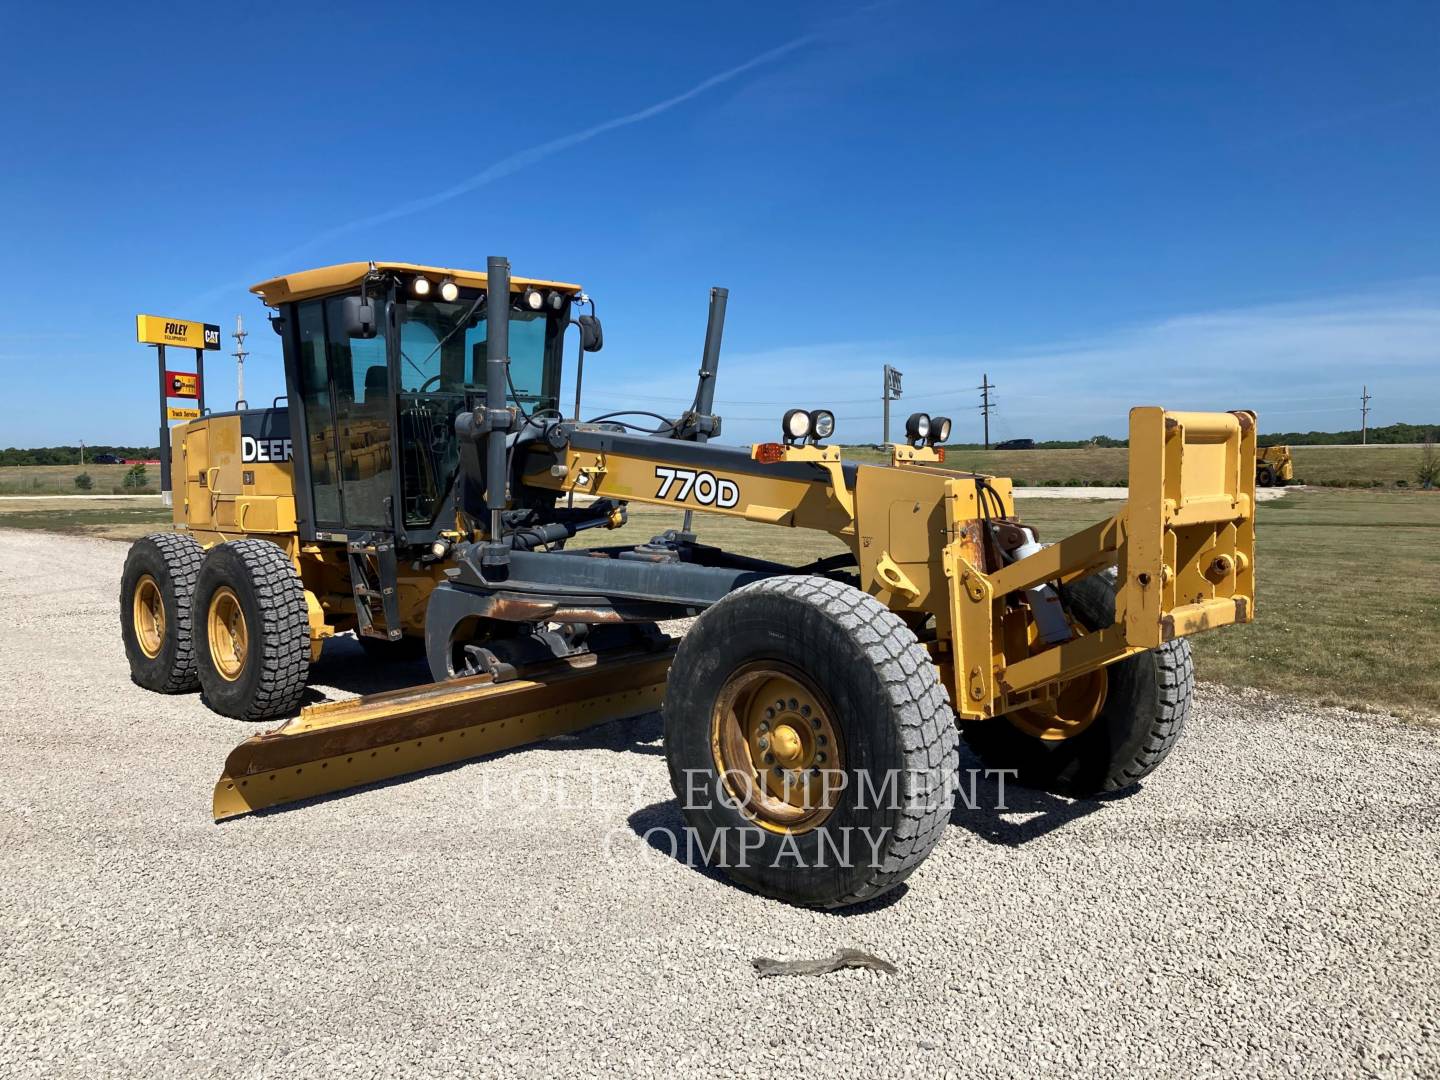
986, 404
240, 335
82, 453
1364, 412
891, 391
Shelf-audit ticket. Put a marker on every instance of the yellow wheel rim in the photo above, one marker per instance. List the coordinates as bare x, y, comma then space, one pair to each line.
148, 616
1071, 711
229, 636
779, 753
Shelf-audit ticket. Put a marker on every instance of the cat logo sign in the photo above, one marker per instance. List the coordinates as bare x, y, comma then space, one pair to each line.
160, 330
174, 413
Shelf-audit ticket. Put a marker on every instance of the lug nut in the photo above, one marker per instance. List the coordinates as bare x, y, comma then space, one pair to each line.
770, 759
821, 740
820, 756
764, 743
794, 704
815, 722
804, 710
769, 714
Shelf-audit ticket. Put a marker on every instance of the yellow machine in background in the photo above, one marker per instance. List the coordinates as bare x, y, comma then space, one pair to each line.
1274, 466
421, 487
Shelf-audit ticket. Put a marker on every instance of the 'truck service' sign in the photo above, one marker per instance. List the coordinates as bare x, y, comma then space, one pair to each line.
159, 330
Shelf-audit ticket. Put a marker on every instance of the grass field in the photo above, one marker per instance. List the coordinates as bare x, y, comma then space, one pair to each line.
1348, 606
60, 480
1326, 466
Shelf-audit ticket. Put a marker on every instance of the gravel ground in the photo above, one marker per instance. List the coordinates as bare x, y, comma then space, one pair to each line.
1267, 904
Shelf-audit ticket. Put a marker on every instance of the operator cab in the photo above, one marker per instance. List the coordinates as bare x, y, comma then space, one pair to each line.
380, 358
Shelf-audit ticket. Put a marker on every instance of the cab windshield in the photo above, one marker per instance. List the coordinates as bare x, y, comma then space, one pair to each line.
442, 350
442, 355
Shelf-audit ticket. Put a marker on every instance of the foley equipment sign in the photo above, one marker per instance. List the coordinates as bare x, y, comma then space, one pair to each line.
159, 330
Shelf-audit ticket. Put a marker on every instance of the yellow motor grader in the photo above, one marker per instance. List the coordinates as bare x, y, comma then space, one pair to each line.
419, 489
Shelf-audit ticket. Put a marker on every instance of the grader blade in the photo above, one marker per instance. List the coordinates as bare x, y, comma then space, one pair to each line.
344, 744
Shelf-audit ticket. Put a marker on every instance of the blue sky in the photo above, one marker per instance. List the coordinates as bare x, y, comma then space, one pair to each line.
1198, 205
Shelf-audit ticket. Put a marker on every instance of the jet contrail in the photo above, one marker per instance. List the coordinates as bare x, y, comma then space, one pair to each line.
519, 160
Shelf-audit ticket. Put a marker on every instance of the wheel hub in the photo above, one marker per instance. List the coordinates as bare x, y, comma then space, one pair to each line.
229, 636
777, 750
148, 616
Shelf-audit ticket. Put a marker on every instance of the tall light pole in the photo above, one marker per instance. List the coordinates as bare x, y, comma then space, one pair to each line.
240, 335
891, 391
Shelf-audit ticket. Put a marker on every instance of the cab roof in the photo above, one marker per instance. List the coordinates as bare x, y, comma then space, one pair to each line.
344, 276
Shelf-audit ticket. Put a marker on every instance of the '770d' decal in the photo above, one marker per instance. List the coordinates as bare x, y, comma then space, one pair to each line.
706, 488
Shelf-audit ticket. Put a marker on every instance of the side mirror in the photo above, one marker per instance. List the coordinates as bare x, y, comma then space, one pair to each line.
357, 317
592, 337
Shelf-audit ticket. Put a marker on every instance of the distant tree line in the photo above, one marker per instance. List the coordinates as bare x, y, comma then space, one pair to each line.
1391, 433
70, 455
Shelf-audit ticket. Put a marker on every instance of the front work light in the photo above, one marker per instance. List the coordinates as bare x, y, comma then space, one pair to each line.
824, 421
532, 299
420, 286
796, 425
917, 427
939, 430
555, 300
449, 290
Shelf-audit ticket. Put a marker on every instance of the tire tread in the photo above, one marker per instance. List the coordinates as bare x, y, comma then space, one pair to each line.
284, 633
183, 556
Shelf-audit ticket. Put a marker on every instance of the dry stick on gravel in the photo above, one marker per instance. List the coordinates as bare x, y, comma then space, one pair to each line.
837, 961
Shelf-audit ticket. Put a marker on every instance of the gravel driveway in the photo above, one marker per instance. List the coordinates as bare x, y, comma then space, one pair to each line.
1269, 903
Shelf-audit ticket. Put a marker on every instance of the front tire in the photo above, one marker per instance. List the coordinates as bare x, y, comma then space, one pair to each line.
1147, 701
156, 588
253, 631
810, 742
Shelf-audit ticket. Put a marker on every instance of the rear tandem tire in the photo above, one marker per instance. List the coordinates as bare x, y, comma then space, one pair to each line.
156, 587
252, 631
877, 694
1146, 705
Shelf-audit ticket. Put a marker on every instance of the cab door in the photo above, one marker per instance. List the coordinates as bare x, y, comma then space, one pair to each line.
345, 395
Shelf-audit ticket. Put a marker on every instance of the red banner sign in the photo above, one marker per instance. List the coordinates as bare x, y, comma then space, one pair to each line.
182, 384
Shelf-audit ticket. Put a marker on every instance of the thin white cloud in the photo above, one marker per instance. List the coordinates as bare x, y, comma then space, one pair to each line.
521, 159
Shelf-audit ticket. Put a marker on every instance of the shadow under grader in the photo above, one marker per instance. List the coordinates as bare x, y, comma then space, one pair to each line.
1000, 810
346, 666
663, 829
